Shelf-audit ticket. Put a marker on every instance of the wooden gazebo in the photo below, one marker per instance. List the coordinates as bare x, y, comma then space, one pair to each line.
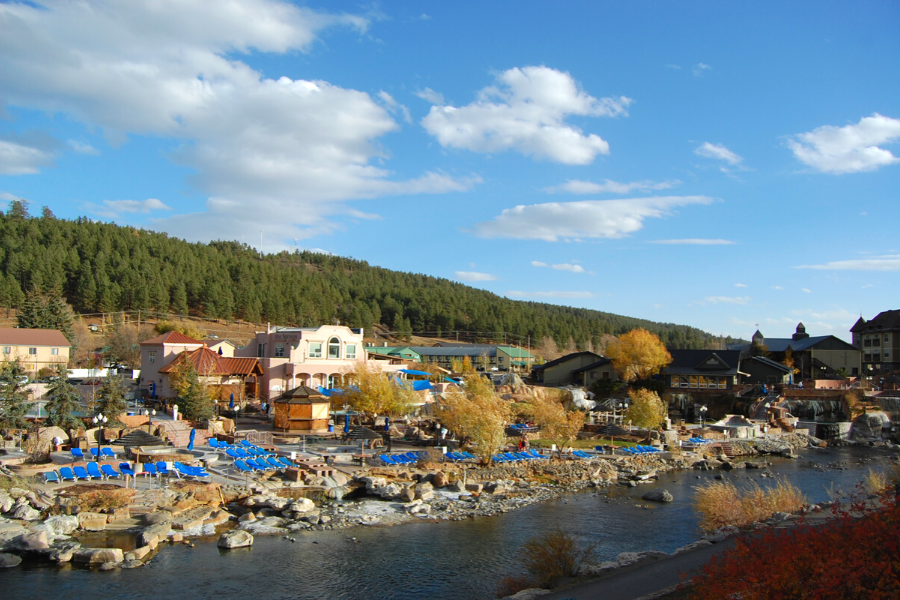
301, 410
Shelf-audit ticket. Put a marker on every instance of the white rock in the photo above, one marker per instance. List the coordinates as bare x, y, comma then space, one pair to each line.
235, 539
62, 524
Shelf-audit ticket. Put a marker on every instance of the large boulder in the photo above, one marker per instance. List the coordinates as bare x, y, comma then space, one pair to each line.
867, 427
302, 505
32, 541
658, 495
99, 556
91, 521
6, 502
24, 512
151, 536
156, 517
62, 524
440, 480
390, 492
9, 560
235, 538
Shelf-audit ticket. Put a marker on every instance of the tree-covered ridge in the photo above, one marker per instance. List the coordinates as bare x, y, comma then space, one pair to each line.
101, 267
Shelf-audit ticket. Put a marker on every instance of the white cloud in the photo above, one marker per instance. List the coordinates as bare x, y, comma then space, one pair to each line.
777, 287
474, 276
112, 209
718, 152
806, 290
889, 262
569, 267
584, 219
700, 68
674, 67
526, 112
537, 263
848, 149
429, 95
552, 294
22, 159
82, 148
727, 299
740, 285
694, 242
394, 106
574, 186
275, 154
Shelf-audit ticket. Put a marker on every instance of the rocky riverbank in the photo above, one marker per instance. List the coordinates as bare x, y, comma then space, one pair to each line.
45, 525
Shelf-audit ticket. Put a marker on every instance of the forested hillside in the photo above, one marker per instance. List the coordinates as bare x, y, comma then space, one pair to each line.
101, 267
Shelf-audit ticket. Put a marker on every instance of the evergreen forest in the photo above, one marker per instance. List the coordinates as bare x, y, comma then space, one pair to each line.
106, 268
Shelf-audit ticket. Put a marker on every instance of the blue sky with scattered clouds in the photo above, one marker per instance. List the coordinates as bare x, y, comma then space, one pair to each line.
714, 164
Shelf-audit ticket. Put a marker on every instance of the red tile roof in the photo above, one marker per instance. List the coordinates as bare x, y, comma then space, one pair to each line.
208, 362
33, 337
171, 337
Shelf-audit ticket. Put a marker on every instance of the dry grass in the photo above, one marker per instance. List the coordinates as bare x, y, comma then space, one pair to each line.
722, 504
875, 482
555, 555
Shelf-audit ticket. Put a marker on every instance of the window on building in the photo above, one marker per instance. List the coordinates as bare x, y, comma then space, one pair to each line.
279, 350
694, 381
593, 374
876, 356
7, 349
887, 337
867, 357
315, 349
334, 348
887, 353
606, 375
151, 356
261, 350
702, 382
876, 341
351, 352
867, 341
54, 351
32, 351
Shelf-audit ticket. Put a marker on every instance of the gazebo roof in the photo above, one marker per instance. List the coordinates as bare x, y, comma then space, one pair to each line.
363, 433
138, 437
301, 395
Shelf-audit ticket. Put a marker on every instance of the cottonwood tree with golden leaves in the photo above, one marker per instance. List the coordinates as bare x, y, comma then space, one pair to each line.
371, 391
637, 355
646, 409
477, 413
558, 425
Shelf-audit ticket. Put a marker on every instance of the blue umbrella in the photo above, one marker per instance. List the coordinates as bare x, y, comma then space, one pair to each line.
191, 443
153, 390
231, 403
347, 423
387, 424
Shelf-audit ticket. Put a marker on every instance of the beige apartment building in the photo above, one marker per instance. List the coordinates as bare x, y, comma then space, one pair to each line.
34, 348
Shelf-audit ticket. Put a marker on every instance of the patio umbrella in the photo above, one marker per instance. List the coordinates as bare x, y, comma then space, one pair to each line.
153, 390
347, 423
231, 402
387, 424
191, 443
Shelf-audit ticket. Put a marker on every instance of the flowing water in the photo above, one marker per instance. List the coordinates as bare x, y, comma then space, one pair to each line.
460, 560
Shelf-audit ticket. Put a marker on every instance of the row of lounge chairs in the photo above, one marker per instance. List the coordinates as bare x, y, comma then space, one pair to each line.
699, 440
402, 459
641, 450
105, 471
249, 458
270, 463
507, 457
78, 453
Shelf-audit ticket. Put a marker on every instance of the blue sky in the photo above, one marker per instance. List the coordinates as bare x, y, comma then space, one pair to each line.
721, 165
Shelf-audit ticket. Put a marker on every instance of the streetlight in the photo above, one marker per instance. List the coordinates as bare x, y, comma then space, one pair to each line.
702, 410
100, 421
149, 413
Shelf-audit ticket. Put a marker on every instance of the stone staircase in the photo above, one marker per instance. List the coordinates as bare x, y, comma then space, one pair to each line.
727, 449
179, 433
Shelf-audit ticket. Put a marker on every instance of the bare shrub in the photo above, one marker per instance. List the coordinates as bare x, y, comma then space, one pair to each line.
875, 482
722, 504
555, 555
510, 586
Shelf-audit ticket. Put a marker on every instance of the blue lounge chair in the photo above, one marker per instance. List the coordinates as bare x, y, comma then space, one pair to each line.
95, 452
535, 454
50, 477
224, 445
499, 458
246, 444
94, 471
387, 460
183, 470
242, 453
107, 453
232, 453
77, 454
255, 465
150, 470
274, 464
80, 473
162, 469
469, 455
213, 443
242, 466
284, 460
109, 472
66, 474
126, 469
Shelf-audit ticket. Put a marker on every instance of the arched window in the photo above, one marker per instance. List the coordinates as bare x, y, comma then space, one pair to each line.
334, 348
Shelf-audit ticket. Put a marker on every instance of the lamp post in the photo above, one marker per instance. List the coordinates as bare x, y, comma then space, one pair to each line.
702, 410
150, 413
100, 421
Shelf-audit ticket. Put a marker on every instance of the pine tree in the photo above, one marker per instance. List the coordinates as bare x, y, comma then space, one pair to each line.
13, 398
64, 402
111, 399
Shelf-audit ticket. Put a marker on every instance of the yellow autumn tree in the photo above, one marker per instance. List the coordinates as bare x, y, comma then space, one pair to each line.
372, 391
477, 413
558, 425
645, 409
638, 354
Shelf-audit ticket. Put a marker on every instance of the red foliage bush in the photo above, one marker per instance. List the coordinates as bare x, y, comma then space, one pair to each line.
849, 556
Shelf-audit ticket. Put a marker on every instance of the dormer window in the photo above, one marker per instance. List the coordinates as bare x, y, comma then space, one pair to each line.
334, 348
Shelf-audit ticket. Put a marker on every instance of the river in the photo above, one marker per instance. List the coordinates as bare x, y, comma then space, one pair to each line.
458, 560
